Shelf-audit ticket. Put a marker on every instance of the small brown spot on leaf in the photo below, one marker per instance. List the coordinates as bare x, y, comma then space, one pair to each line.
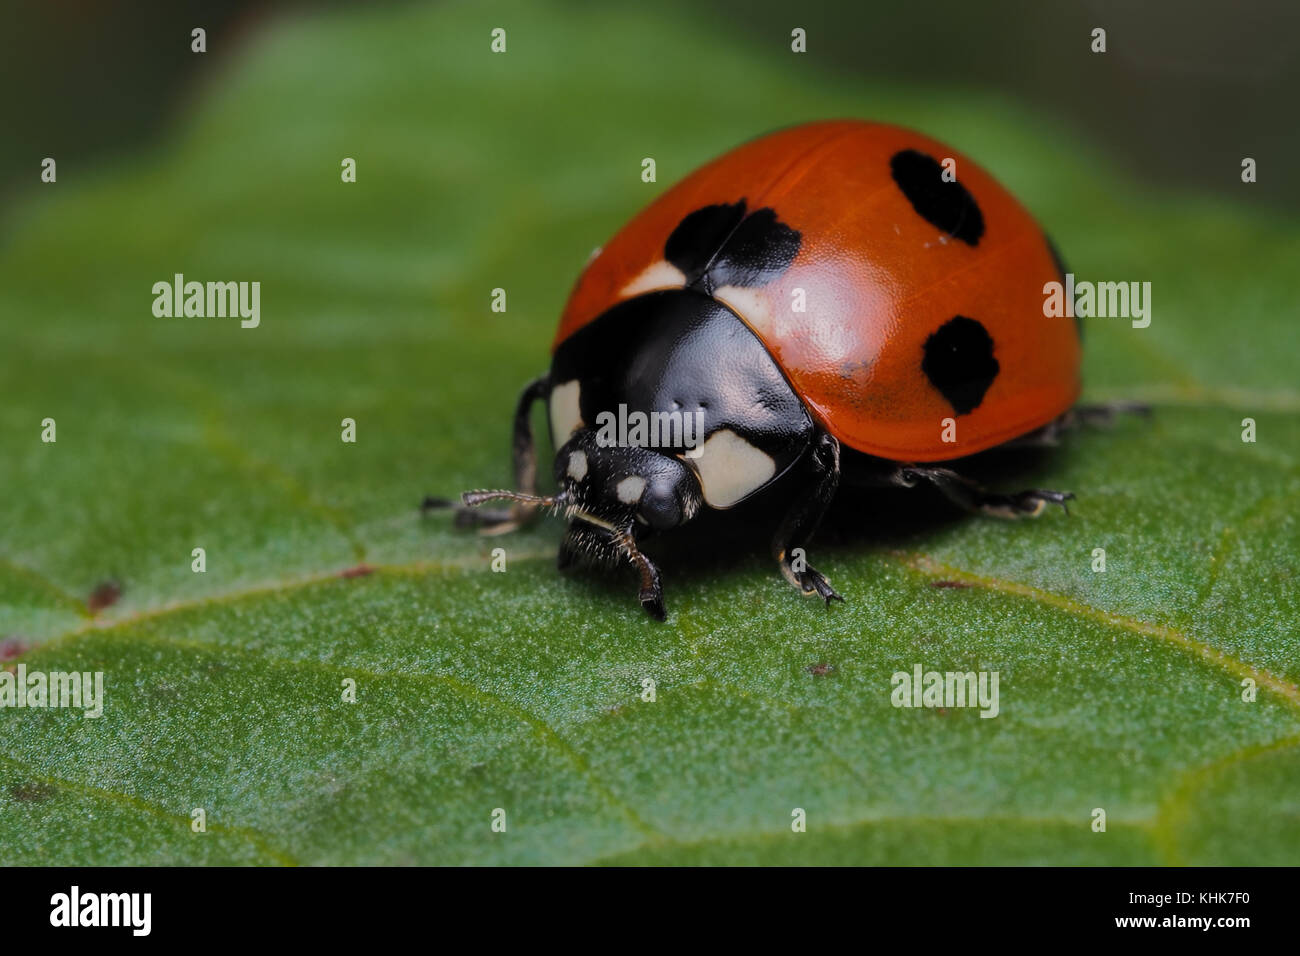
106, 594
360, 571
31, 792
821, 670
949, 584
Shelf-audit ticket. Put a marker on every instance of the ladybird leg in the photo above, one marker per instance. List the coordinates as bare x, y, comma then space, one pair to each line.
800, 523
494, 521
974, 497
1104, 413
1100, 415
606, 546
523, 453
651, 594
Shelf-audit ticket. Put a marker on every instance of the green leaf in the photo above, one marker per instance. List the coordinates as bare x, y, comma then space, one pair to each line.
523, 690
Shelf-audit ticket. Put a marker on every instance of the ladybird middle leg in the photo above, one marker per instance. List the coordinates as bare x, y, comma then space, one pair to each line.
801, 522
972, 496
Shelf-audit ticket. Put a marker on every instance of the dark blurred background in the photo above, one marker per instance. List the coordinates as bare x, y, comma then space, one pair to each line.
1213, 81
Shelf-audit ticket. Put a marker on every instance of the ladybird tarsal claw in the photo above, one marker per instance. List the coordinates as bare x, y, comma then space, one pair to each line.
813, 582
653, 602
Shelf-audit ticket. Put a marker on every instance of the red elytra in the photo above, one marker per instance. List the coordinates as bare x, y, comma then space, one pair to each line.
876, 280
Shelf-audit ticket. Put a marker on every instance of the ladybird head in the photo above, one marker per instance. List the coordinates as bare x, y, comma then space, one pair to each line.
620, 486
613, 487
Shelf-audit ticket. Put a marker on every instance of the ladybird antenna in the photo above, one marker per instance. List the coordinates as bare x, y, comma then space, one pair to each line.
472, 498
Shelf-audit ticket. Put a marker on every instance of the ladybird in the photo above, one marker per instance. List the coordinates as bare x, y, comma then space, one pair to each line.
837, 299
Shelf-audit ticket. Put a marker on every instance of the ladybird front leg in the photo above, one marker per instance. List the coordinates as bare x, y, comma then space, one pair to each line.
800, 523
972, 496
601, 546
651, 594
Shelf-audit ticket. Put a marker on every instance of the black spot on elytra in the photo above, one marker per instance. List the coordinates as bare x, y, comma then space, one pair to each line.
946, 206
722, 245
699, 235
959, 362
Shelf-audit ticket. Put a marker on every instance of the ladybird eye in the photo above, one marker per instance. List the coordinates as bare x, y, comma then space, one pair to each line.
659, 508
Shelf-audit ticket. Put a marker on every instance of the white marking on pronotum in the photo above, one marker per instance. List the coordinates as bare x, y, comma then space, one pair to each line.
577, 465
731, 468
566, 412
752, 305
661, 275
630, 488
